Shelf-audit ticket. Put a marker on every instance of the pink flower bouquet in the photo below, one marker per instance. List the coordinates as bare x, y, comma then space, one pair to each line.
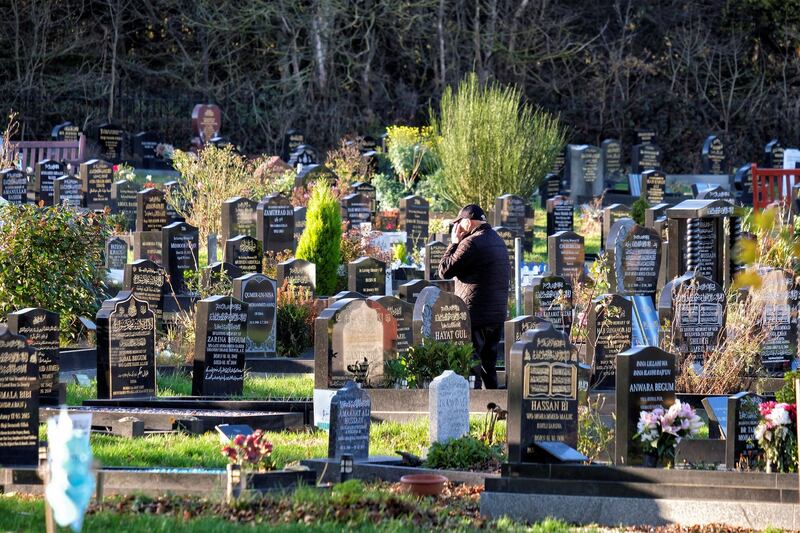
660, 430
776, 434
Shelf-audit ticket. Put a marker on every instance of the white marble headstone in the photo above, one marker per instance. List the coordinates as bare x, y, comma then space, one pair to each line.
448, 402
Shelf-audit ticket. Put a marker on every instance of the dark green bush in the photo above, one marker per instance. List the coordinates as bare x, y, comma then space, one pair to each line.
321, 240
51, 258
466, 453
637, 210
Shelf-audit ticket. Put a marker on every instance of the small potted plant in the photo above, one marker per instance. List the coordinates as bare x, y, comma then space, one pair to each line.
660, 431
251, 466
776, 435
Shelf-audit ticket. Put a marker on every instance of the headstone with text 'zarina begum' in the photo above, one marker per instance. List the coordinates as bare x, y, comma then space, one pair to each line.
19, 401
126, 344
41, 329
220, 344
448, 405
351, 408
542, 392
353, 336
645, 380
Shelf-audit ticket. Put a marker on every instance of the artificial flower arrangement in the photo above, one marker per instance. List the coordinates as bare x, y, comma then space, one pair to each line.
776, 434
251, 452
660, 430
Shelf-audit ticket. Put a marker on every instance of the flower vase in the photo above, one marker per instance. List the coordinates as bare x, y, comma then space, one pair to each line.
650, 460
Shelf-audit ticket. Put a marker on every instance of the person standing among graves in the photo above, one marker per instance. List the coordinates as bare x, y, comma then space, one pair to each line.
478, 260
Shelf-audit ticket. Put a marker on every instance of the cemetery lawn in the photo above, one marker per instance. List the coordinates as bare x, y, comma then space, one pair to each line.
351, 506
538, 254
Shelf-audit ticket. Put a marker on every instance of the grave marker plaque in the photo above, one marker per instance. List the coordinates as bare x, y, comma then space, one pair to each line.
414, 221
409, 291
151, 210
220, 344
637, 262
645, 380
356, 210
126, 348
560, 215
275, 216
741, 446
773, 154
259, 293
206, 121
144, 148
66, 131
566, 255
14, 186
97, 177
41, 329
434, 251
779, 298
645, 156
46, 172
354, 338
550, 298
239, 218
244, 252
513, 330
612, 157
116, 253
610, 326
145, 279
367, 276
542, 392
654, 183
124, 201
441, 316
448, 406
713, 156
110, 139
67, 191
180, 252
698, 316
403, 312
550, 188
291, 141
350, 420
299, 273
19, 401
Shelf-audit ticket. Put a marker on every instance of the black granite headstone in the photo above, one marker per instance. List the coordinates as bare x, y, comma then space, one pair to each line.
698, 316
151, 210
260, 295
414, 221
299, 224
97, 177
145, 279
409, 291
19, 401
66, 131
123, 200
403, 313
220, 344
549, 188
542, 392
773, 154
513, 330
147, 245
550, 298
67, 192
637, 262
566, 255
713, 156
110, 139
560, 215
126, 346
180, 252
41, 329
645, 380
244, 252
299, 273
291, 140
653, 186
741, 446
433, 256
611, 150
14, 186
46, 172
351, 408
645, 156
144, 148
367, 275
238, 218
356, 210
779, 297
116, 253
275, 216
743, 182
609, 325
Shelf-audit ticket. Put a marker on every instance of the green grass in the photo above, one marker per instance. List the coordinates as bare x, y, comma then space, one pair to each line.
299, 386
538, 253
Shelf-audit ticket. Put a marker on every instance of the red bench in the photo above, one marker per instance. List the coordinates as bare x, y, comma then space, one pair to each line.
34, 151
773, 185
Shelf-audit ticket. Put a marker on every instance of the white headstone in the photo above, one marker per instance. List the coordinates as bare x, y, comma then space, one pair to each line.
448, 402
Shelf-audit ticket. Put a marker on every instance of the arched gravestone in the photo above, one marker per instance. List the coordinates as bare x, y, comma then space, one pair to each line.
637, 261
97, 177
311, 173
653, 186
513, 212
353, 338
368, 190
645, 380
779, 298
219, 349
238, 218
698, 316
14, 186
41, 329
713, 156
19, 402
244, 252
448, 407
773, 154
116, 253
303, 155
67, 192
367, 276
145, 279
403, 313
298, 272
610, 326
206, 121
260, 295
126, 344
441, 316
542, 392
123, 201
275, 216
550, 298
566, 255
46, 172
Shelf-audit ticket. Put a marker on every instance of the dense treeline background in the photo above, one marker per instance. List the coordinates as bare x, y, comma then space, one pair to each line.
332, 67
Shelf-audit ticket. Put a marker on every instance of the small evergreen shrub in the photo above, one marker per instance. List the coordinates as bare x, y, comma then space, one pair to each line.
321, 239
465, 453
